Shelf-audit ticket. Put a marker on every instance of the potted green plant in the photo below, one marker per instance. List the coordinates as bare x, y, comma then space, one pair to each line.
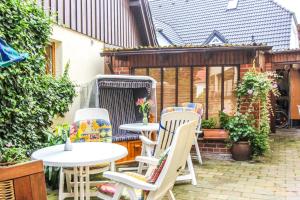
211, 132
241, 131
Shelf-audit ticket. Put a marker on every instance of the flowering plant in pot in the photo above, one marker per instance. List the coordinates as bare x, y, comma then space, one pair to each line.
144, 106
241, 132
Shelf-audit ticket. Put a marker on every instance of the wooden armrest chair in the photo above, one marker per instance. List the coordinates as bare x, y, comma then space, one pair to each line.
175, 162
24, 181
170, 121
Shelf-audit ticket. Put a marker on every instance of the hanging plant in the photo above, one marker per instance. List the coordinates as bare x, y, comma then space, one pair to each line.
255, 89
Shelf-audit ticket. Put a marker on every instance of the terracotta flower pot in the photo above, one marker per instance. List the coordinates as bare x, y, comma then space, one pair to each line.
241, 151
215, 134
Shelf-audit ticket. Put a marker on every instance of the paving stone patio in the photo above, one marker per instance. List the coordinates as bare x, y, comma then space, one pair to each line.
274, 177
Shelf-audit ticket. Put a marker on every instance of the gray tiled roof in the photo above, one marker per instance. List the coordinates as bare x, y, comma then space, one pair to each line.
168, 31
193, 21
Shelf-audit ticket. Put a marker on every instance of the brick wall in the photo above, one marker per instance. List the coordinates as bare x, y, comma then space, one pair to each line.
213, 146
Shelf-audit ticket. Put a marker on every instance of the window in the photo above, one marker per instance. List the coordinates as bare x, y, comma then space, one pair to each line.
50, 59
216, 40
232, 4
212, 86
230, 83
214, 91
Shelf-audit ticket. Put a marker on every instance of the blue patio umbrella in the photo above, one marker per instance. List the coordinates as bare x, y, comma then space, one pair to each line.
8, 55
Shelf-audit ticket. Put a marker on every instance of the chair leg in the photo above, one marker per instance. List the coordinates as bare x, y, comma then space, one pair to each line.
191, 170
119, 191
171, 195
61, 184
132, 194
198, 151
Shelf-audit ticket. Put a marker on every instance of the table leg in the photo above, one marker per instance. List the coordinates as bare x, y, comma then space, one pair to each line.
81, 183
75, 184
87, 181
61, 184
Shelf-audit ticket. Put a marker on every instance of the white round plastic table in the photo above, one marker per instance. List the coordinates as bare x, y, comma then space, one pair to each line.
83, 155
144, 129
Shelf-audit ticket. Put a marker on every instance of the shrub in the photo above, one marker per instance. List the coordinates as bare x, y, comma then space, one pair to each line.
29, 99
13, 154
240, 128
256, 88
224, 119
209, 123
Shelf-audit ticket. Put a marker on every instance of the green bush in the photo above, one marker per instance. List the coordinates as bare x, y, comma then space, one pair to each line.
240, 128
29, 99
62, 132
256, 88
13, 154
224, 119
209, 123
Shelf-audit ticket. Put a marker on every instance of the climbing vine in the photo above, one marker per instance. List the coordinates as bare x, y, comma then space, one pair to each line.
29, 98
255, 89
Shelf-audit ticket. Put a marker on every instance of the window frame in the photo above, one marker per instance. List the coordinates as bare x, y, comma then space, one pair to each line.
52, 47
191, 82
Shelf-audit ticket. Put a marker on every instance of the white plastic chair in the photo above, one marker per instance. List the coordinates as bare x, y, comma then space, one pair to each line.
178, 153
91, 113
81, 115
169, 123
195, 107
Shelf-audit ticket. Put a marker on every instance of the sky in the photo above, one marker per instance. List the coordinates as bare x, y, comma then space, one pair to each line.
292, 5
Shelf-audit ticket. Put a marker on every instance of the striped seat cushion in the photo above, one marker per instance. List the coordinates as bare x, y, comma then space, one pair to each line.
121, 137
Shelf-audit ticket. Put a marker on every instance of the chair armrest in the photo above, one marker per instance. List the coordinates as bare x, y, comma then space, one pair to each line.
147, 141
147, 160
129, 180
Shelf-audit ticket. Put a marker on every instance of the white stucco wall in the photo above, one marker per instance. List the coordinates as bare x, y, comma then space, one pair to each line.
294, 43
83, 53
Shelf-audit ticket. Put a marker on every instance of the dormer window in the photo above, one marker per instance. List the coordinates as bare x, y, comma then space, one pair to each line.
232, 4
216, 40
